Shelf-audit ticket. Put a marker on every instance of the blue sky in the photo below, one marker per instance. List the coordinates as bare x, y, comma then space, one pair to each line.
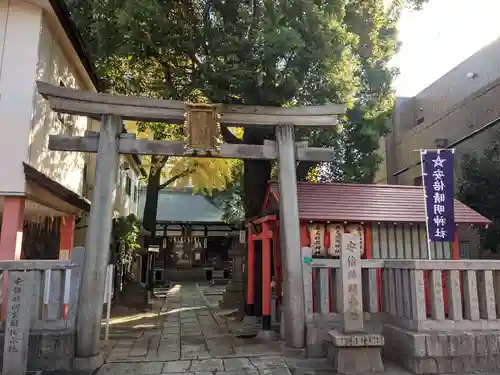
439, 37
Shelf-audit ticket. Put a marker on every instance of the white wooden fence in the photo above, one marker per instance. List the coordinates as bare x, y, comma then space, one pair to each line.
419, 295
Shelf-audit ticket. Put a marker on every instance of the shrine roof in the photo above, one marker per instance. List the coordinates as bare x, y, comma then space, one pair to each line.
182, 206
370, 203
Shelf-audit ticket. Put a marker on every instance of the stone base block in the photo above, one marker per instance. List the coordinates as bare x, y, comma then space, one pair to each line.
438, 352
50, 350
317, 331
355, 353
250, 320
297, 353
267, 335
232, 299
88, 363
237, 287
317, 338
249, 326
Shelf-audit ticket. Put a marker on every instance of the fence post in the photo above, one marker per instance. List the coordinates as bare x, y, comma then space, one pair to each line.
307, 284
77, 257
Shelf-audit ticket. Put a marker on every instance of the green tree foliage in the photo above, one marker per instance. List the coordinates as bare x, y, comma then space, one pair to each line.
258, 52
479, 188
126, 231
231, 200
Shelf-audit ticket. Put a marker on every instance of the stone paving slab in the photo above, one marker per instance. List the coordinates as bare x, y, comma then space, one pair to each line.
188, 338
209, 289
241, 365
321, 366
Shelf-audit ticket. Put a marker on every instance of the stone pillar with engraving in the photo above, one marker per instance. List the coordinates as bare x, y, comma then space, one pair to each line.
234, 296
352, 349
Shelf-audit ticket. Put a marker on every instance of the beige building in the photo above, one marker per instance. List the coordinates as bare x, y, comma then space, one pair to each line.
44, 195
457, 104
449, 110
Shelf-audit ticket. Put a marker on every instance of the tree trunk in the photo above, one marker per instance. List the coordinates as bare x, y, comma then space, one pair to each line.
152, 191
256, 176
149, 216
255, 180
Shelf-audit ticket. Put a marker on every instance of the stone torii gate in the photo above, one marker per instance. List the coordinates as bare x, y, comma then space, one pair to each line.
202, 131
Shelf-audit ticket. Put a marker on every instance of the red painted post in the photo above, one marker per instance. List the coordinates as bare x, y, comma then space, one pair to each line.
266, 278
250, 273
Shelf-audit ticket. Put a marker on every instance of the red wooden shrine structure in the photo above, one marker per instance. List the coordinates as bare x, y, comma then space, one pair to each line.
389, 219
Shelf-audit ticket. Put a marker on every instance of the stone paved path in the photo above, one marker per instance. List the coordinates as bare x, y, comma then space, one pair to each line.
186, 337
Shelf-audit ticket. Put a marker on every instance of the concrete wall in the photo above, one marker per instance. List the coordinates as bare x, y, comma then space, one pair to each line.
466, 117
453, 87
451, 108
20, 25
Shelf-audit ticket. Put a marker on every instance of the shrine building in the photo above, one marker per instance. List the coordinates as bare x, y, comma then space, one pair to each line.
389, 220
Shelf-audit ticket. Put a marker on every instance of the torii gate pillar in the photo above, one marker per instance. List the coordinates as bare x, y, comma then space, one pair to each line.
97, 243
293, 296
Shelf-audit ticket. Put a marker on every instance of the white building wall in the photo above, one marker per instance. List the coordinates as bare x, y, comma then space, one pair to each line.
127, 197
20, 25
55, 68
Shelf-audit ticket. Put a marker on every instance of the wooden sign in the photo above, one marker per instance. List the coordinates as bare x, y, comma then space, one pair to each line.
317, 239
202, 128
335, 231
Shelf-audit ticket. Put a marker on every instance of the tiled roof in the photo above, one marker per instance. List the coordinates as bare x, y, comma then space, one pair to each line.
183, 207
370, 203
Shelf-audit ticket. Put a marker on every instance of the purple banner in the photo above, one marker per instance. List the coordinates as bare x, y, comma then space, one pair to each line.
437, 168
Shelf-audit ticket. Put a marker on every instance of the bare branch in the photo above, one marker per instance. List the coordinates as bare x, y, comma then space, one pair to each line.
171, 180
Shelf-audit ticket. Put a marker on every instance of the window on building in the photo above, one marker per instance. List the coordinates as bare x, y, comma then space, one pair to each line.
417, 181
418, 122
136, 193
128, 185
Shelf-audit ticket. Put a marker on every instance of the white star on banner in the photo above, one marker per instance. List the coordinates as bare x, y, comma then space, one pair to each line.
438, 162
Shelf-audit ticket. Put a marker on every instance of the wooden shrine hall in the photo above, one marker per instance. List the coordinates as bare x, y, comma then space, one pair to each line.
389, 220
191, 235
